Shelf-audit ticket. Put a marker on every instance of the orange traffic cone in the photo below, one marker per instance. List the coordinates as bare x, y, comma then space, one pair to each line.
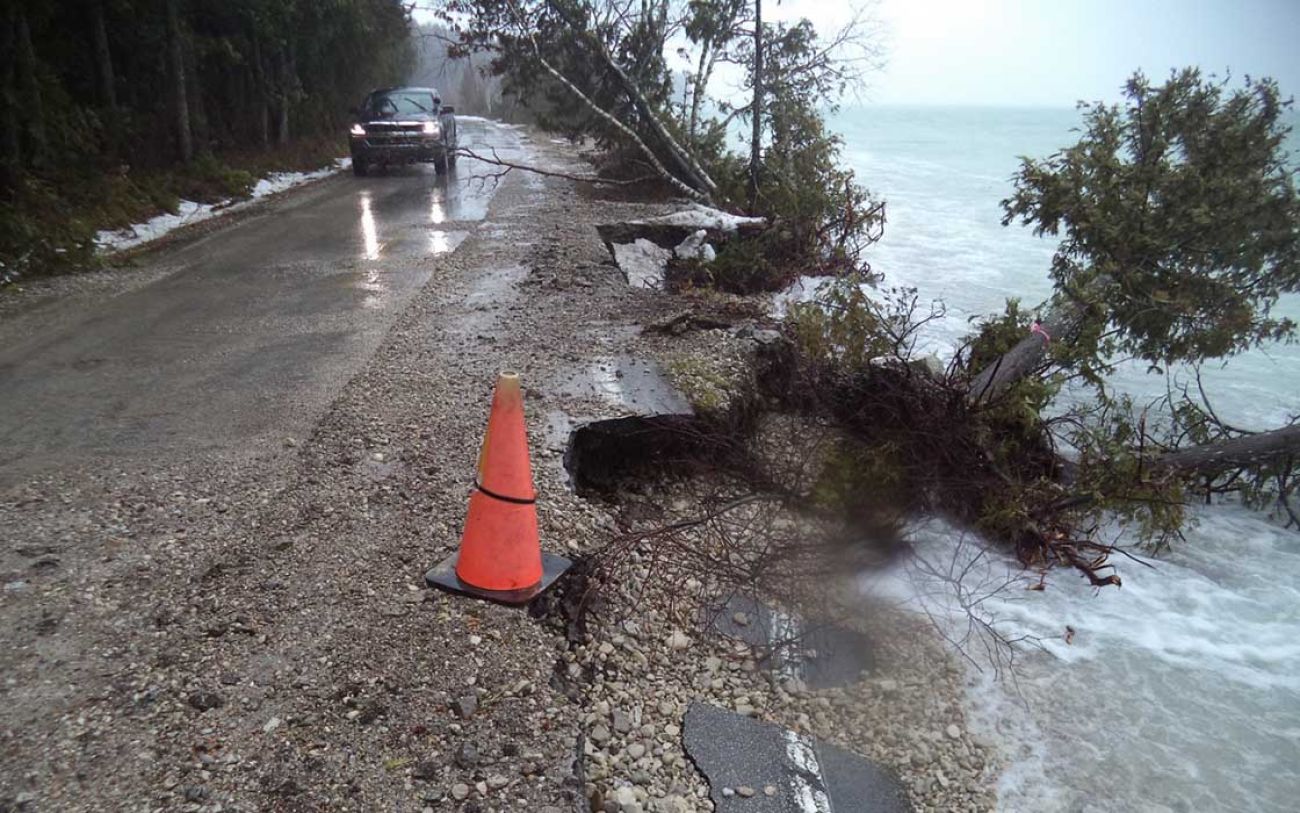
500, 557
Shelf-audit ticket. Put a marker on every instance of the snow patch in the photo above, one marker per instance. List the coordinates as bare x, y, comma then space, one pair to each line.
704, 217
189, 212
695, 246
643, 262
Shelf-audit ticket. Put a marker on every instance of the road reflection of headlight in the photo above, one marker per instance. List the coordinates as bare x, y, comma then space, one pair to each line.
432, 128
369, 232
439, 242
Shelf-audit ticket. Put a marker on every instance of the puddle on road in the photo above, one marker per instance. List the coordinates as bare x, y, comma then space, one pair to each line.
438, 206
372, 282
496, 287
492, 291
386, 238
623, 381
445, 242
559, 426
370, 244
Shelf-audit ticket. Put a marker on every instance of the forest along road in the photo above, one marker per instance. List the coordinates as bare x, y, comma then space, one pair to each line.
250, 330
226, 470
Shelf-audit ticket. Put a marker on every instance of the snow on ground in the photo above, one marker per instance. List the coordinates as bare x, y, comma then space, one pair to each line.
643, 262
189, 212
696, 247
704, 217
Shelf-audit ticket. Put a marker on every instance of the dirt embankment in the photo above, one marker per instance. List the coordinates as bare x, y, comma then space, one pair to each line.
223, 634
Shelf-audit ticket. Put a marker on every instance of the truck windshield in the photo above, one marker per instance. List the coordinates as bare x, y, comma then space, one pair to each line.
399, 103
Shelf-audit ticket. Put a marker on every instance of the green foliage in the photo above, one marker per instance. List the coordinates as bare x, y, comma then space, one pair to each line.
88, 137
767, 262
997, 467
569, 36
997, 335
1179, 218
38, 232
825, 218
1112, 470
822, 217
707, 389
211, 181
842, 328
852, 470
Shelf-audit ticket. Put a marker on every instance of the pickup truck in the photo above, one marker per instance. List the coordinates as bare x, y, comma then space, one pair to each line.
401, 126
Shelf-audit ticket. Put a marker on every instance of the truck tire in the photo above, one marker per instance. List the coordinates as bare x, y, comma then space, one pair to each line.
440, 164
359, 168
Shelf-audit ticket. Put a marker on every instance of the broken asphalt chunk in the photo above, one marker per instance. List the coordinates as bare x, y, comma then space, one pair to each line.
807, 775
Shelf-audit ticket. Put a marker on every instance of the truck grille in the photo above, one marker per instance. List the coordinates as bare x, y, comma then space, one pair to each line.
378, 128
380, 134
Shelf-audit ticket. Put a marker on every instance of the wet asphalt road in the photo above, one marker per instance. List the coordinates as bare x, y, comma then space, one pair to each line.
250, 331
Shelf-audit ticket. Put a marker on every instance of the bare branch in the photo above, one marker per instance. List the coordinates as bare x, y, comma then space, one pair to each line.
498, 161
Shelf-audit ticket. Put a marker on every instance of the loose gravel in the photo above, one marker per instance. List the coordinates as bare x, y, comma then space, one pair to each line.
239, 634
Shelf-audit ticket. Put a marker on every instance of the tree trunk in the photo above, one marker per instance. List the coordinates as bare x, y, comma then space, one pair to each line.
31, 108
1243, 452
700, 82
756, 114
653, 159
103, 58
285, 75
1060, 325
11, 149
200, 132
176, 80
688, 168
263, 95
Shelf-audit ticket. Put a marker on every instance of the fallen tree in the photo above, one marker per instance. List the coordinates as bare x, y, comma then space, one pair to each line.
596, 69
1180, 229
1177, 214
1246, 451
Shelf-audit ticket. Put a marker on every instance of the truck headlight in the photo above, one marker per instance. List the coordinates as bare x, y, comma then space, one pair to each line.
432, 128
358, 130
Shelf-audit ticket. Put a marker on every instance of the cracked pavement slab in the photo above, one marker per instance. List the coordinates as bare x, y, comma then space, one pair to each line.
820, 655
758, 767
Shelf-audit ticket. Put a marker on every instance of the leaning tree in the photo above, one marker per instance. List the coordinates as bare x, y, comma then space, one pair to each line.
1180, 230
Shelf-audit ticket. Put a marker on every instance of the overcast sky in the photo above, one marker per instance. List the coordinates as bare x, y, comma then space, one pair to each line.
1055, 52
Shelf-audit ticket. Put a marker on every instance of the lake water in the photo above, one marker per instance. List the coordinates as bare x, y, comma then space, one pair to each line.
1181, 690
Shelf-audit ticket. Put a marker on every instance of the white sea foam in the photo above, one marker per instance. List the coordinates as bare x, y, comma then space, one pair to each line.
1178, 691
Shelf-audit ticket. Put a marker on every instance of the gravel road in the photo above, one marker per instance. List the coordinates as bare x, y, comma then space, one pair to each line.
226, 470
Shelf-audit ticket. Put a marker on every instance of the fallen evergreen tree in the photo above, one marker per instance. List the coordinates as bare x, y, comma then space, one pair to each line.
1180, 229
596, 69
1179, 223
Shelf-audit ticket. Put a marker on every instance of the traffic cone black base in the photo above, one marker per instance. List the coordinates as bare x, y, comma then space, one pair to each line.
443, 576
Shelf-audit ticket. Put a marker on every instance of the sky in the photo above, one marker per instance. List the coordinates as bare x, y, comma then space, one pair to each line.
1057, 52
